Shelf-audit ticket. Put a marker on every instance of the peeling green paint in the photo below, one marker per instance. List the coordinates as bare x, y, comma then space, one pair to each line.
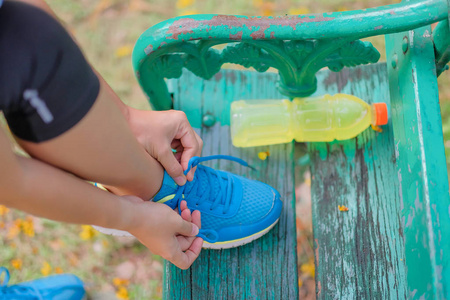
391, 243
421, 164
193, 36
358, 253
441, 40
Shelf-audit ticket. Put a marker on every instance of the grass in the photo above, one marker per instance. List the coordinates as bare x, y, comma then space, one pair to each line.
106, 31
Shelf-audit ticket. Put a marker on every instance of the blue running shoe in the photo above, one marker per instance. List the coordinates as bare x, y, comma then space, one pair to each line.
56, 287
234, 210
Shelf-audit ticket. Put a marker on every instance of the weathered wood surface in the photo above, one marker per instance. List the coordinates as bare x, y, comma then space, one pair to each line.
263, 269
421, 161
391, 242
359, 253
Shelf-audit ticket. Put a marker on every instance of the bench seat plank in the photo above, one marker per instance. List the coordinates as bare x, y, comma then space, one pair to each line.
359, 253
267, 267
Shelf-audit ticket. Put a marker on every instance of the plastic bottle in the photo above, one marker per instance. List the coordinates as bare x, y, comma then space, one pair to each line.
320, 119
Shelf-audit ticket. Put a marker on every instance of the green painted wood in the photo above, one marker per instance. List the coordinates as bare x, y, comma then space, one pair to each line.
391, 243
296, 61
267, 267
421, 163
165, 48
441, 40
448, 11
359, 253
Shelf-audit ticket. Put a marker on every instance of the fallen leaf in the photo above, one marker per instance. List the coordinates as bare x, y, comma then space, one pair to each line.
16, 263
263, 155
343, 208
46, 269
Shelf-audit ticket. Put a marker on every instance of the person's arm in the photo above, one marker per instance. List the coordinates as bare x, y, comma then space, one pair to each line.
179, 134
42, 190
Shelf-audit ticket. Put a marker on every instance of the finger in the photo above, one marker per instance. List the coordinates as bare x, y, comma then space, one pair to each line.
190, 147
186, 215
176, 145
191, 150
172, 166
187, 228
190, 175
178, 155
196, 218
183, 205
200, 144
185, 242
184, 260
185, 211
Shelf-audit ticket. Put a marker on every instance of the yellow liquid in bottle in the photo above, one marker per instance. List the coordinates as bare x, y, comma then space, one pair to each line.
324, 119
265, 123
329, 118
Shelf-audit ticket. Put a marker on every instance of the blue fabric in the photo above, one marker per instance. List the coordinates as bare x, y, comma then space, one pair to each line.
232, 207
56, 287
168, 187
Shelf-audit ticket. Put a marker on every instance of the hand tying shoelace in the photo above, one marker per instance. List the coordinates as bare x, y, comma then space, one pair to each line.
234, 210
223, 196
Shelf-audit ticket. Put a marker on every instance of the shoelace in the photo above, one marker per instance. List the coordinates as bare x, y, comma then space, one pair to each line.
23, 292
224, 193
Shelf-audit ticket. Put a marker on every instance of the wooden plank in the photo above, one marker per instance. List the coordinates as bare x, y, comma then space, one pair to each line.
359, 253
266, 268
421, 162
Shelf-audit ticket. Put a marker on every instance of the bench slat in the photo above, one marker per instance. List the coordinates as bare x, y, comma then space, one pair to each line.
266, 268
359, 253
421, 162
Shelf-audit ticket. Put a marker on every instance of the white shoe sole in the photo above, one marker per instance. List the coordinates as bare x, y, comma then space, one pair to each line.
206, 245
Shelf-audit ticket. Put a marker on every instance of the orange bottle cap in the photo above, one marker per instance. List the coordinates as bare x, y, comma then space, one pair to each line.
381, 113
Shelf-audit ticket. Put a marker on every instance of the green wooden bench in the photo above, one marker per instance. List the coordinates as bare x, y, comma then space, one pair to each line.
393, 241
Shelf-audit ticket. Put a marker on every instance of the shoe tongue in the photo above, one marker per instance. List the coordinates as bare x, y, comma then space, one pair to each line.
169, 187
208, 184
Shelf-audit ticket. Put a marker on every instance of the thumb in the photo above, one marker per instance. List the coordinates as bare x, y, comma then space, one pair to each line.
187, 228
172, 166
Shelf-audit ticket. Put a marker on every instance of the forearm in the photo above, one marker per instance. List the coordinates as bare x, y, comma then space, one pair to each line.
48, 192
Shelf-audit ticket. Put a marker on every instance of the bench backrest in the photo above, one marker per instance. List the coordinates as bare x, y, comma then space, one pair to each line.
391, 243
